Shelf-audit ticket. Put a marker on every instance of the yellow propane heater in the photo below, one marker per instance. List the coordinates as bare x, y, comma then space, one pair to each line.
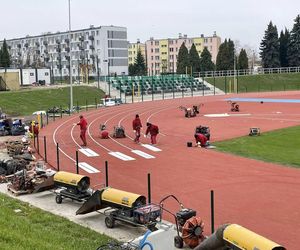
73, 186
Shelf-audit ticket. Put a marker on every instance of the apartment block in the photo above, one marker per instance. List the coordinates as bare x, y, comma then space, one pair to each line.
133, 49
162, 53
100, 49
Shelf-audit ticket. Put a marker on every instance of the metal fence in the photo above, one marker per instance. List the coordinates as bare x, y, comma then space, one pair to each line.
243, 72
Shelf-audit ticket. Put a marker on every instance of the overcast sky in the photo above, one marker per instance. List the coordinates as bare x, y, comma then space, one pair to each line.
242, 20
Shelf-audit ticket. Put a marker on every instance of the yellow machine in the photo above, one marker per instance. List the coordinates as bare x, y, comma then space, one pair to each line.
233, 236
242, 238
122, 206
72, 186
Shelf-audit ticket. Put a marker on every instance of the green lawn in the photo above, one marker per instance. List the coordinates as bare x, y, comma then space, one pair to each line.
259, 83
27, 101
32, 228
279, 146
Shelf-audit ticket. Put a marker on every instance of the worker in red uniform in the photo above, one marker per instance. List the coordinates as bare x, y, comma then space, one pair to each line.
103, 132
201, 140
137, 125
153, 130
83, 127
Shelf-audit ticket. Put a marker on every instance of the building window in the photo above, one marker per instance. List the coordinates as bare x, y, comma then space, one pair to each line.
151, 57
205, 40
157, 58
171, 49
151, 50
46, 73
156, 42
156, 50
31, 74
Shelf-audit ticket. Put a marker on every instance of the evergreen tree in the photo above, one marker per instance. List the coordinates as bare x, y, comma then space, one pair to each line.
206, 63
131, 70
194, 59
221, 56
283, 48
269, 47
140, 65
242, 60
225, 57
183, 60
4, 56
294, 45
230, 54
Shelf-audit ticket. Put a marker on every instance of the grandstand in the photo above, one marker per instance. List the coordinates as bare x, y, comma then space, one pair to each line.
147, 85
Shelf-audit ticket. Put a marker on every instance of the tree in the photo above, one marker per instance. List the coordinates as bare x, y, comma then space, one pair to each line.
194, 59
131, 70
269, 47
242, 60
183, 60
294, 45
225, 57
140, 65
4, 56
221, 56
284, 41
206, 63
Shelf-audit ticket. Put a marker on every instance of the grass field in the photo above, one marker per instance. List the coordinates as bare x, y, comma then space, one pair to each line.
31, 228
25, 102
279, 146
258, 83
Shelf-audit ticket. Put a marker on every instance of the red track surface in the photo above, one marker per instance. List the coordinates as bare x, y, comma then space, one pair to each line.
261, 196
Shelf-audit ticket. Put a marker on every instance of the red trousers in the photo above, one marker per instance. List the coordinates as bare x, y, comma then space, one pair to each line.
82, 136
137, 135
153, 139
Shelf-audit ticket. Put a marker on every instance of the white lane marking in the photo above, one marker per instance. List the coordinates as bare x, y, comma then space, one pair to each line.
88, 152
88, 168
155, 149
121, 156
143, 154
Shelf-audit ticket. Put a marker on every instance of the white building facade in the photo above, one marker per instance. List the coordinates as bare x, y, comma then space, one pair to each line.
97, 50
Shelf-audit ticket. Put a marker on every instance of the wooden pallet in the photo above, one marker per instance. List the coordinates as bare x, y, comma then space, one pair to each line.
17, 192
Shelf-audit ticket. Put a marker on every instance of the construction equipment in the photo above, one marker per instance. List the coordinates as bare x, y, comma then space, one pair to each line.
122, 206
189, 227
234, 106
73, 186
233, 236
254, 131
119, 132
191, 112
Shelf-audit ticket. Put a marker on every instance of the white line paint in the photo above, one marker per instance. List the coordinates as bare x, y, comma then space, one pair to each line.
88, 168
152, 148
121, 156
88, 152
142, 154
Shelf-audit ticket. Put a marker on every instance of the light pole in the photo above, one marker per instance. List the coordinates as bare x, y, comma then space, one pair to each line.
71, 82
234, 72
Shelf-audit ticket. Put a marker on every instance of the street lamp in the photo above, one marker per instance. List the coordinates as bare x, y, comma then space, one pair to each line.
234, 72
70, 72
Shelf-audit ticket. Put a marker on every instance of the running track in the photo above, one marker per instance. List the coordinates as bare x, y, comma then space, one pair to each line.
261, 196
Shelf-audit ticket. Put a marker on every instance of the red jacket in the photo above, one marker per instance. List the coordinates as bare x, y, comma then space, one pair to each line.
82, 124
201, 138
152, 129
136, 124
